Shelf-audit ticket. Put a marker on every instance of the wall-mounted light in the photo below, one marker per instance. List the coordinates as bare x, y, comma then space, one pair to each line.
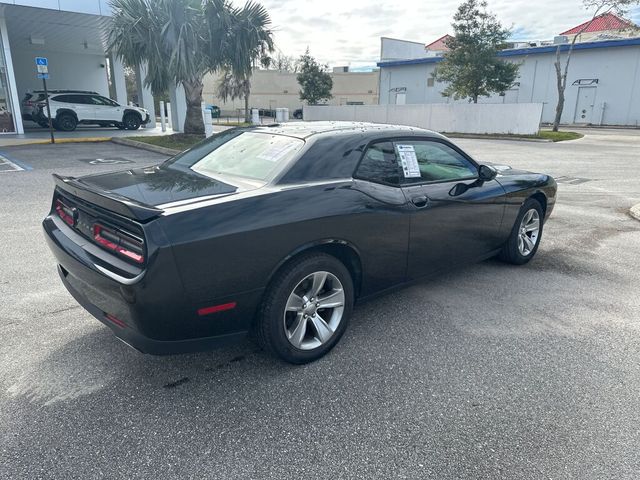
586, 81
36, 40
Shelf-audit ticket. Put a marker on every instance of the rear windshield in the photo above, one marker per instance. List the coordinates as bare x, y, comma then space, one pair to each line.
253, 155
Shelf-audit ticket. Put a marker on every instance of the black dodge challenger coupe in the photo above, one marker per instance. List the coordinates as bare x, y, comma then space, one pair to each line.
280, 229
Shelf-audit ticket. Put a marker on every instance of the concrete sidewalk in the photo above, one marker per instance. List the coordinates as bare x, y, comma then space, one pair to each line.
37, 135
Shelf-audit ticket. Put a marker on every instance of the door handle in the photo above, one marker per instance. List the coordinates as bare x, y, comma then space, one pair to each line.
420, 201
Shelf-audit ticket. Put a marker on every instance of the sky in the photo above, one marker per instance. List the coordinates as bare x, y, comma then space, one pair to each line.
347, 32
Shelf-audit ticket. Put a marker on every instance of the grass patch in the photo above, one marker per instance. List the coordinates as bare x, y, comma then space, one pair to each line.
559, 136
222, 123
177, 141
542, 135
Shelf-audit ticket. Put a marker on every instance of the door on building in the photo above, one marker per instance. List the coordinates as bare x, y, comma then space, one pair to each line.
584, 104
401, 98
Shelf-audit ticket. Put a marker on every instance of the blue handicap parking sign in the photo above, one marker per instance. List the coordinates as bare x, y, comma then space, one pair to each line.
42, 61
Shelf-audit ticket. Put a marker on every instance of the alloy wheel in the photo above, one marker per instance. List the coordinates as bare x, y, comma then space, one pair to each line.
314, 310
528, 232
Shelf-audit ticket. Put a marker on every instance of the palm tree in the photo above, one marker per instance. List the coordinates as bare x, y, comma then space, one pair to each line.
182, 40
252, 43
232, 87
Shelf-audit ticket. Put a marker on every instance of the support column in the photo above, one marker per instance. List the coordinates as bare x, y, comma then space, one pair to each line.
145, 97
178, 108
118, 81
12, 94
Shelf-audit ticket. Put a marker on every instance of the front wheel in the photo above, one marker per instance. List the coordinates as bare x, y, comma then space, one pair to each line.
131, 121
306, 309
526, 234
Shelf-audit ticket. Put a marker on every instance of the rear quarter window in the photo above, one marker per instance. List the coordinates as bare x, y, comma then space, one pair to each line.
380, 164
327, 158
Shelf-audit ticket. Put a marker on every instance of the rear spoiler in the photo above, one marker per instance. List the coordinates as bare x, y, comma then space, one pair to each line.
107, 200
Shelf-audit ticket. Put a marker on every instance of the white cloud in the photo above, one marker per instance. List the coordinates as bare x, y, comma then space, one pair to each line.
341, 32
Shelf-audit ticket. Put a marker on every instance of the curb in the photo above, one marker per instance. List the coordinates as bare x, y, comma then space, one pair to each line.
47, 141
635, 211
145, 146
488, 137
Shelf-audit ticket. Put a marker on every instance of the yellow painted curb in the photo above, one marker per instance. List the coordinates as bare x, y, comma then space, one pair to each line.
44, 141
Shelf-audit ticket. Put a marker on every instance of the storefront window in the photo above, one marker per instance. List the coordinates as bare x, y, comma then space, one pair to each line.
7, 123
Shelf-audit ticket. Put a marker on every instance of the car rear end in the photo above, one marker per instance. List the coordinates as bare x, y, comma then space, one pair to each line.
30, 105
114, 260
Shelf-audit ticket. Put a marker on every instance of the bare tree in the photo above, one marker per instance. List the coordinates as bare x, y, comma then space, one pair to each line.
283, 63
601, 7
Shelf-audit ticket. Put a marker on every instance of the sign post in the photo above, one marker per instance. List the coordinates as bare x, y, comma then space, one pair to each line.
42, 66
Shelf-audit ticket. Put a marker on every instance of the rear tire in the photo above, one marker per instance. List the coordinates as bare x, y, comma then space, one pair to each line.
306, 309
525, 235
66, 122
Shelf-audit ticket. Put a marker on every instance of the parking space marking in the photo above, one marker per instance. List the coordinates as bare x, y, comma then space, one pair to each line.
106, 161
7, 165
572, 180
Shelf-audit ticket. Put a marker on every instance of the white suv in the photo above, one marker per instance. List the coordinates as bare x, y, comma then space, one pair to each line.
70, 109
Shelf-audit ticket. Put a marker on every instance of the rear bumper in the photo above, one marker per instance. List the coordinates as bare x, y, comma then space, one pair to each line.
150, 313
142, 343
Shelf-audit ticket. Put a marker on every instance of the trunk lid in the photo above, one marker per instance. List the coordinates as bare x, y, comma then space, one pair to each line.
143, 193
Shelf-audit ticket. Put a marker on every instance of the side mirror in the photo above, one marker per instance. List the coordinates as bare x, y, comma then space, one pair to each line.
487, 173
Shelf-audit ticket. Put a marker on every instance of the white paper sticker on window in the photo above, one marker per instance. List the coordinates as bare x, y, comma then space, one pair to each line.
276, 152
409, 161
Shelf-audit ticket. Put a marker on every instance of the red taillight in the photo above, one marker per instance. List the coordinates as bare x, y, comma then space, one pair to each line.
65, 213
29, 103
217, 308
115, 320
119, 242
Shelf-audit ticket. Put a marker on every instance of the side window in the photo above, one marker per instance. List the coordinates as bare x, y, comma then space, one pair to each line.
72, 99
98, 100
61, 98
436, 162
380, 164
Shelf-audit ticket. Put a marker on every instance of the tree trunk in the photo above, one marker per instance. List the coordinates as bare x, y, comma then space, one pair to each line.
559, 109
559, 85
475, 99
193, 123
247, 116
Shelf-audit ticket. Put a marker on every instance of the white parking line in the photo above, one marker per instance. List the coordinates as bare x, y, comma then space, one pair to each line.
7, 165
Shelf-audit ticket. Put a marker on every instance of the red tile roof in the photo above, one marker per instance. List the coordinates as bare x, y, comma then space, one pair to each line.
440, 44
606, 21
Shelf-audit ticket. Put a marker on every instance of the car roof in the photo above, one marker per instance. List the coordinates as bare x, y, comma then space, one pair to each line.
64, 91
305, 130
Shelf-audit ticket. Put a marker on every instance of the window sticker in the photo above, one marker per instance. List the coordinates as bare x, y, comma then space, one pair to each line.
276, 152
409, 161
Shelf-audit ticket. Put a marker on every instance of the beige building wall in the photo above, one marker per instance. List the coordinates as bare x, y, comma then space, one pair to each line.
273, 89
606, 35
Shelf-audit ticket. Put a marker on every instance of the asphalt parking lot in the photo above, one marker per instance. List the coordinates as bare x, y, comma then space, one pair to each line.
492, 371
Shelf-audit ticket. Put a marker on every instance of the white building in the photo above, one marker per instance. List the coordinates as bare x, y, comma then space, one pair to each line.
72, 35
603, 84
